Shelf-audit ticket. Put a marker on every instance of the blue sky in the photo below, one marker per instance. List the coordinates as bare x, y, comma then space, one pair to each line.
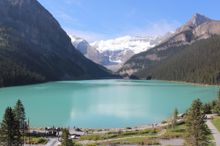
105, 19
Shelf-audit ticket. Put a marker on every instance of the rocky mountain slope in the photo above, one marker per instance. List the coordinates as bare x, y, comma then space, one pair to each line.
114, 53
197, 28
34, 47
86, 49
198, 63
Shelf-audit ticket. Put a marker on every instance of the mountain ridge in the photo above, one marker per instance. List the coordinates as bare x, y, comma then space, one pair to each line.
113, 53
197, 63
32, 40
197, 28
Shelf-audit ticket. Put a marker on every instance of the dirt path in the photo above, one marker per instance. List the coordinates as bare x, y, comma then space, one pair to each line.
214, 131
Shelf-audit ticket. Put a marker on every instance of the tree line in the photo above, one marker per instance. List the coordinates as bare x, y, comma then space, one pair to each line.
14, 74
198, 63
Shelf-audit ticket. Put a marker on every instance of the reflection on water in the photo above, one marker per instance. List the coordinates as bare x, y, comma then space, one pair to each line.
103, 103
118, 110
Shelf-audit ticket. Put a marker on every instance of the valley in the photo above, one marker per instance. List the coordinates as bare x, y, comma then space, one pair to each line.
79, 72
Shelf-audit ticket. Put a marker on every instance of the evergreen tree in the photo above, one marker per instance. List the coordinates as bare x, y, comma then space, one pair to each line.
174, 118
65, 141
19, 112
9, 131
196, 128
207, 108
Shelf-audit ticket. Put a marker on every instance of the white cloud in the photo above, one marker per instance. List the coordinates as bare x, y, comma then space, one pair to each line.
163, 26
87, 35
160, 27
66, 18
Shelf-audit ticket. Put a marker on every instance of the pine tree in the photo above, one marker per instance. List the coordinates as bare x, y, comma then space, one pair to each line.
196, 128
19, 112
207, 109
174, 118
9, 131
65, 138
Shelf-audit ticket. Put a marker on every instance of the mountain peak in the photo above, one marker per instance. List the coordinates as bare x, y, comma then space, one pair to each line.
197, 19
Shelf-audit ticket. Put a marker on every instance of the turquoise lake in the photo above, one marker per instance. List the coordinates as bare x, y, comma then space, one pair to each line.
103, 103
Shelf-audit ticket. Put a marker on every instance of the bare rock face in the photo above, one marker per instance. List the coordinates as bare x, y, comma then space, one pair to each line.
197, 28
207, 29
32, 38
86, 49
195, 21
186, 33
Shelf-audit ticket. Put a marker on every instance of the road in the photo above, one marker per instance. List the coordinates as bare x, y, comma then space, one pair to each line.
214, 131
53, 142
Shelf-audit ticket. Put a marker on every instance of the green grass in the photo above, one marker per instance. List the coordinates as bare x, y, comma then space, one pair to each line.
216, 122
36, 140
177, 132
135, 140
144, 137
120, 134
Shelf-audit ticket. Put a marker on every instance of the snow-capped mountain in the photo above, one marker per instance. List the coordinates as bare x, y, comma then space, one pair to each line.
113, 53
135, 44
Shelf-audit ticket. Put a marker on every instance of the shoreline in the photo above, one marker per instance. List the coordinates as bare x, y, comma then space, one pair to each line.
198, 84
185, 82
171, 81
106, 130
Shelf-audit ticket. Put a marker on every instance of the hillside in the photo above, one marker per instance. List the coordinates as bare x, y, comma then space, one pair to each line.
198, 63
197, 28
34, 48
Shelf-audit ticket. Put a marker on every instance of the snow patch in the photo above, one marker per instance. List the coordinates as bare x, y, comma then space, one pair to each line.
135, 44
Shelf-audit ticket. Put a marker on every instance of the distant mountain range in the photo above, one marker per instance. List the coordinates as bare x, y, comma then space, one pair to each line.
190, 54
115, 52
34, 48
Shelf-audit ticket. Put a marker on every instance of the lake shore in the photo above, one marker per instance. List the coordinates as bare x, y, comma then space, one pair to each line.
126, 79
185, 82
107, 130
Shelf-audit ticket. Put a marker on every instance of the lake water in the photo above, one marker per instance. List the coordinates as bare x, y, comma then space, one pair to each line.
103, 103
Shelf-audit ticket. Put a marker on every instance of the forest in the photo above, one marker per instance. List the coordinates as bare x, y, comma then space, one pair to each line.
197, 63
